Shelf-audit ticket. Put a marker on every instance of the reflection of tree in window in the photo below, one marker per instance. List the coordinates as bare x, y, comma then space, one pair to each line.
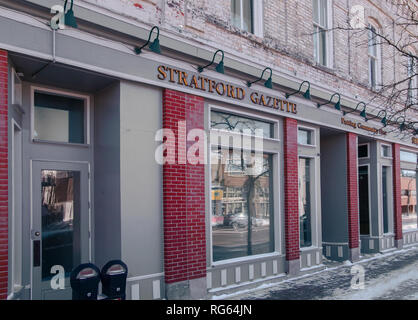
245, 184
305, 202
409, 200
230, 122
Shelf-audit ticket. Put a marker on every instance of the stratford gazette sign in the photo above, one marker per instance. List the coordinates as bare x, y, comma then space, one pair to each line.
223, 89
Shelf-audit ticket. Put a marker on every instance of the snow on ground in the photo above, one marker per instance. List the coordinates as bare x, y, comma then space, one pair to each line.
390, 286
391, 275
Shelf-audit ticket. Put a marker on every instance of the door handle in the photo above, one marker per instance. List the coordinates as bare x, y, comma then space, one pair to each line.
37, 253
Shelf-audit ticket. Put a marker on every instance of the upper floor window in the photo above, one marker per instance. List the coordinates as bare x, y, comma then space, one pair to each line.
322, 38
412, 80
247, 15
374, 58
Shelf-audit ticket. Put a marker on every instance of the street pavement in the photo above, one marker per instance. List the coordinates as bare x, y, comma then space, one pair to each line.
388, 276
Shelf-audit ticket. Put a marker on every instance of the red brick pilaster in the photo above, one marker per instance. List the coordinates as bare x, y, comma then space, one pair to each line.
183, 193
291, 189
4, 174
397, 209
352, 191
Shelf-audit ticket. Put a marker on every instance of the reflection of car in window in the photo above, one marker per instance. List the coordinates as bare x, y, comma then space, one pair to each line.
240, 220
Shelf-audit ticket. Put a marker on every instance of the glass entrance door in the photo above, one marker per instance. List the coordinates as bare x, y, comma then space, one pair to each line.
60, 226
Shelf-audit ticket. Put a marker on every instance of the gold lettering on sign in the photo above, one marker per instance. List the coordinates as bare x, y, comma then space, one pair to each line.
361, 126
221, 88
415, 140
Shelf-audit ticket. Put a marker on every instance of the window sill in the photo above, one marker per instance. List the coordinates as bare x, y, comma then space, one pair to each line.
327, 69
66, 144
304, 249
247, 259
409, 231
313, 146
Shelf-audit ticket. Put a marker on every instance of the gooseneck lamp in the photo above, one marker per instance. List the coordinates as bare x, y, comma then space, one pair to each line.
337, 105
219, 68
306, 95
268, 83
362, 113
402, 125
384, 119
69, 15
154, 46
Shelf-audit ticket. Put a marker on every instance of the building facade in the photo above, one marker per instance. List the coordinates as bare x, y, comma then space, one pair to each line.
88, 174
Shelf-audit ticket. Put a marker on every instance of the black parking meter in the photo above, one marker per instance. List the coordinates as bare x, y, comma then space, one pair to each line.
85, 282
114, 275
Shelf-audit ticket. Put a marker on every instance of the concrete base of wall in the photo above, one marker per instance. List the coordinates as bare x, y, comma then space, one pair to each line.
194, 289
354, 254
293, 267
399, 243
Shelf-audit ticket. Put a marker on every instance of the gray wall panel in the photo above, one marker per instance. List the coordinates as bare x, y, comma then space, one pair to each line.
106, 176
141, 179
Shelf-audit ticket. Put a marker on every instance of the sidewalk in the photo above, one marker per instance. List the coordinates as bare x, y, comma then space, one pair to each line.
392, 275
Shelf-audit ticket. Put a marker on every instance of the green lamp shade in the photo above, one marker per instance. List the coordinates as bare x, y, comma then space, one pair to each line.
269, 83
70, 19
155, 46
307, 94
385, 121
220, 67
363, 114
338, 106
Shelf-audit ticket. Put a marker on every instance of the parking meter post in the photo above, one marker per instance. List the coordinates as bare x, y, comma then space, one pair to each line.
113, 276
85, 281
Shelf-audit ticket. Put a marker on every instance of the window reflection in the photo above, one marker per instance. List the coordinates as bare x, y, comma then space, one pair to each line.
409, 200
241, 204
60, 220
305, 202
230, 122
385, 194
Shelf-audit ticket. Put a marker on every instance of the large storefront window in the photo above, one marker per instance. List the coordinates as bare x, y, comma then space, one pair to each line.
409, 200
305, 202
242, 219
